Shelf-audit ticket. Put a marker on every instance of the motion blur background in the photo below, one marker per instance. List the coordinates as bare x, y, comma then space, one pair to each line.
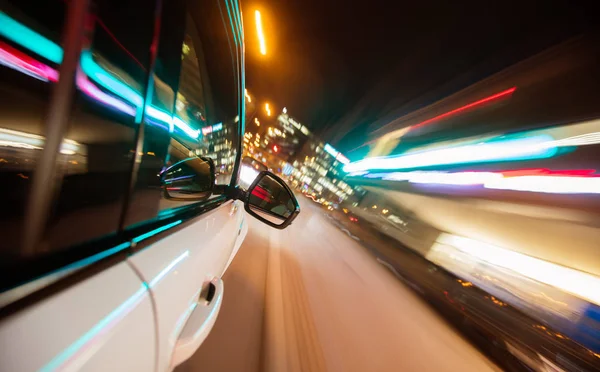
458, 142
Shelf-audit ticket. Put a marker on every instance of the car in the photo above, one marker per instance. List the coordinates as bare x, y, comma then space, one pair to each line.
250, 170
120, 156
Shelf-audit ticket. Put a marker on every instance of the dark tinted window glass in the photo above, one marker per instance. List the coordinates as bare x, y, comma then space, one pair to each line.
217, 57
193, 110
111, 82
30, 54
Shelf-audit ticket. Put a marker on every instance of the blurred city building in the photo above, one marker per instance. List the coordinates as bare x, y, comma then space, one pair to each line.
292, 150
317, 170
498, 184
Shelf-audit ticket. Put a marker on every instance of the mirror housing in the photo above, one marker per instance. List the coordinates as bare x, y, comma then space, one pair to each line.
191, 179
271, 201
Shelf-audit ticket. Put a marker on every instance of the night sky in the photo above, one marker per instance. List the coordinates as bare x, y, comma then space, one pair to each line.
343, 68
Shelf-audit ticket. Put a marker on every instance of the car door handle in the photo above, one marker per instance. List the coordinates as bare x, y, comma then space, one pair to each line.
200, 322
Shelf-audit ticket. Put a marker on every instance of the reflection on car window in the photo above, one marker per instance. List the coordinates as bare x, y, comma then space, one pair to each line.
114, 60
27, 75
198, 102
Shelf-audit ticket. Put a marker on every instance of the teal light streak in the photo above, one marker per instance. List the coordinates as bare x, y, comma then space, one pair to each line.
26, 37
155, 231
102, 326
169, 267
96, 257
233, 30
331, 151
496, 150
120, 312
100, 76
238, 18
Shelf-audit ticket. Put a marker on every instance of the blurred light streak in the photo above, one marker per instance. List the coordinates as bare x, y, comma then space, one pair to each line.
342, 159
91, 90
247, 95
67, 359
570, 181
581, 140
21, 62
496, 96
155, 231
116, 41
102, 77
333, 152
547, 184
26, 37
570, 280
170, 266
524, 148
12, 58
458, 178
160, 115
259, 31
13, 138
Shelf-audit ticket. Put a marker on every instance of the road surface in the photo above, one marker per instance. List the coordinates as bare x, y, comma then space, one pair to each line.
311, 298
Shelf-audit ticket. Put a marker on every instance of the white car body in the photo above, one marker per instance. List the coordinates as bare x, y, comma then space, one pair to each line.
107, 322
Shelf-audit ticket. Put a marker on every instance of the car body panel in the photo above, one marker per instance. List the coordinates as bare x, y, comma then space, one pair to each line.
103, 323
178, 266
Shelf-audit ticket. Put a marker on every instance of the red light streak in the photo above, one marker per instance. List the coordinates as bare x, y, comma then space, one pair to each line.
548, 172
261, 193
504, 93
24, 62
112, 36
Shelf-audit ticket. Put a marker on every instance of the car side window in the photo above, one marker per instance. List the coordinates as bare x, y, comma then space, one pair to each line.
30, 55
202, 120
87, 191
218, 55
194, 108
103, 125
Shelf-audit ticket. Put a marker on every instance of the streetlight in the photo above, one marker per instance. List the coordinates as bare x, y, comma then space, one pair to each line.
267, 109
259, 31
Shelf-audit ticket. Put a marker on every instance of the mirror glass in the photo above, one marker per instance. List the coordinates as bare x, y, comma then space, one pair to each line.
271, 200
189, 179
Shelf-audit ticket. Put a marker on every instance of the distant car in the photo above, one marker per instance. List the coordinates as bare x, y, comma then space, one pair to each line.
249, 171
120, 150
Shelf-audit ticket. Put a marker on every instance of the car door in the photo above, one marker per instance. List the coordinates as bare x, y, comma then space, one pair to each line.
193, 113
72, 78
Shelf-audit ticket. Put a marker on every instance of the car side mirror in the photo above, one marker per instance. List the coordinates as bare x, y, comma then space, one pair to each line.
191, 179
270, 200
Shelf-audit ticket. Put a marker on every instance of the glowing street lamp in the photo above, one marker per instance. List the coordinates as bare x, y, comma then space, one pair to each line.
267, 109
259, 31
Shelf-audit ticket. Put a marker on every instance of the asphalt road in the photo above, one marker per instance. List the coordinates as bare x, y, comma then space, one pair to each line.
310, 298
